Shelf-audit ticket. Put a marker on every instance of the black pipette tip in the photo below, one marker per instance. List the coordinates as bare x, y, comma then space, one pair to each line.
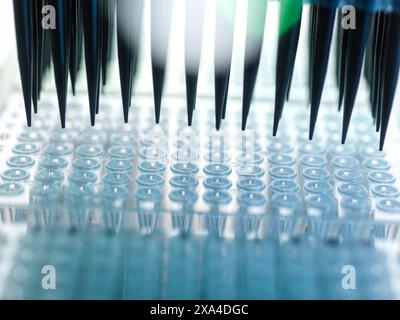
313, 121
35, 105
125, 107
92, 119
245, 115
35, 89
191, 92
224, 30
250, 75
158, 84
218, 120
356, 44
315, 101
73, 87
126, 54
108, 35
219, 85
37, 50
126, 117
161, 13
194, 20
379, 26
225, 100
76, 43
252, 62
390, 74
190, 116
93, 26
157, 118
382, 139
73, 74
322, 39
24, 33
219, 95
275, 125
342, 64
40, 45
28, 110
287, 48
345, 129
62, 116
61, 38
378, 86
